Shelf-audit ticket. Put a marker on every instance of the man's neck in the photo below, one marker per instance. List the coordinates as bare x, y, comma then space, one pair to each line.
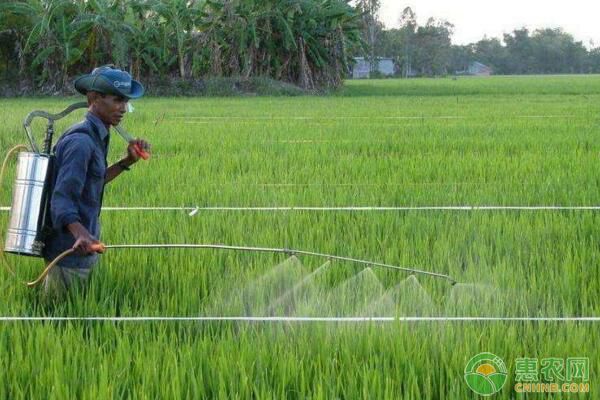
107, 125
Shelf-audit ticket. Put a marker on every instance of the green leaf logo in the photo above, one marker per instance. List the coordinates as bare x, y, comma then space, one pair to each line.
486, 374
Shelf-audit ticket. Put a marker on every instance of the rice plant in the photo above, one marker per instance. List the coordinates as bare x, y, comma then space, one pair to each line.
502, 142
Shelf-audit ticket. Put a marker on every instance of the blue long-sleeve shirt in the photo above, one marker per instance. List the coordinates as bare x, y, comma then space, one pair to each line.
78, 186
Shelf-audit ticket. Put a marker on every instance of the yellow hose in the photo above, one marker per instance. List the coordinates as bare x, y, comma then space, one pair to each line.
49, 267
15, 149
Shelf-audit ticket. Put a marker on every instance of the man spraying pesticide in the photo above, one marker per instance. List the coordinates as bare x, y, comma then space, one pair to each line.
80, 172
58, 191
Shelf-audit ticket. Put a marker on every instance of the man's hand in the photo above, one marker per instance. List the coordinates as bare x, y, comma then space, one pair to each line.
86, 245
133, 155
84, 242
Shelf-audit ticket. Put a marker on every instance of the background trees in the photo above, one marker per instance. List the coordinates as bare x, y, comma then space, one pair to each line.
305, 42
310, 43
418, 50
426, 50
545, 51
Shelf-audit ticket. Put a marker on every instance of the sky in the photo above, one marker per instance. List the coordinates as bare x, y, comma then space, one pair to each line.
475, 18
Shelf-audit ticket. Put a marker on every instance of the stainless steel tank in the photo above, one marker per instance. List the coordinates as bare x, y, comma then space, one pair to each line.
27, 205
28, 226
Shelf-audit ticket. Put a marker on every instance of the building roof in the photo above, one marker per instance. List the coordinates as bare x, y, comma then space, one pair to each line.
378, 58
479, 65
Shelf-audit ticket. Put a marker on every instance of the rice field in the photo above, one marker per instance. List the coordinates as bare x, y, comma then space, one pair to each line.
519, 141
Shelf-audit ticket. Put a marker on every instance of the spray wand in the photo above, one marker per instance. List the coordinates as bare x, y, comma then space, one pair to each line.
101, 248
129, 139
142, 153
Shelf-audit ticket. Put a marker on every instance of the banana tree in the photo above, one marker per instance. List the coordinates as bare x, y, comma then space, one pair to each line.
68, 30
53, 42
180, 18
145, 36
107, 31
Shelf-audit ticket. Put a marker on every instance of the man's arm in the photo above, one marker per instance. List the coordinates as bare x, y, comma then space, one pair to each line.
75, 153
83, 239
116, 169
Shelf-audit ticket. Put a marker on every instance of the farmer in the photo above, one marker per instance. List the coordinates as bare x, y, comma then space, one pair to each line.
80, 173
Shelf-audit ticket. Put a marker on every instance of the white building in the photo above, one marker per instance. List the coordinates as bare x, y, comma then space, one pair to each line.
362, 67
478, 69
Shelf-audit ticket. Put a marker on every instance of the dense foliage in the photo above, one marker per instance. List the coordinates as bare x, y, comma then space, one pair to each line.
544, 51
309, 43
46, 42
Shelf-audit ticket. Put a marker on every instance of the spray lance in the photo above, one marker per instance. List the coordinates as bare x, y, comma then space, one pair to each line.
29, 215
129, 139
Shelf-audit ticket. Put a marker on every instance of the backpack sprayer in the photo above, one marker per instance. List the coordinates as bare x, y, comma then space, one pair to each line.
29, 223
29, 216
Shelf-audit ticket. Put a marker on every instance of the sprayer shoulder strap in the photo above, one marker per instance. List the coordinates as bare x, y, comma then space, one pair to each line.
81, 127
